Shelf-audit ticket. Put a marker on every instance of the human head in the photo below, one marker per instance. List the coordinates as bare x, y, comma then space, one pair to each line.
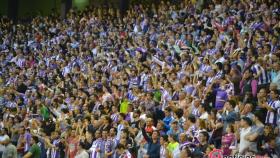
34, 140
203, 137
246, 122
274, 94
230, 105
182, 137
120, 149
163, 139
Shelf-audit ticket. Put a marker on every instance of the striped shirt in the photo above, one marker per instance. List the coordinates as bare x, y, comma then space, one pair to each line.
271, 116
144, 80
210, 80
133, 82
96, 145
115, 117
205, 68
165, 97
191, 130
66, 70
195, 111
219, 74
54, 152
184, 145
109, 146
264, 76
20, 62
119, 131
131, 97
11, 104
212, 52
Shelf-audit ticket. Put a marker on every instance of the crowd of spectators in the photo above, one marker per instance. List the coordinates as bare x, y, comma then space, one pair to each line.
175, 79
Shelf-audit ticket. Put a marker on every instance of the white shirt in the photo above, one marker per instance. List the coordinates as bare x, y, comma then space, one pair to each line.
204, 116
82, 154
244, 144
221, 60
3, 138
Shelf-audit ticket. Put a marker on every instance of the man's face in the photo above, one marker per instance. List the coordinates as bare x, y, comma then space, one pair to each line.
32, 141
262, 93
201, 138
276, 66
104, 134
112, 132
182, 138
155, 135
97, 134
273, 95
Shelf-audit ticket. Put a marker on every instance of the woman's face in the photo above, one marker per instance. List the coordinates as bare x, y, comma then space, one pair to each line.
246, 74
161, 141
267, 130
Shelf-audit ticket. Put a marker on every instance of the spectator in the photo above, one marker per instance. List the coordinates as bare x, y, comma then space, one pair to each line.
229, 115
228, 140
35, 150
153, 150
246, 124
200, 150
247, 84
173, 146
82, 152
10, 150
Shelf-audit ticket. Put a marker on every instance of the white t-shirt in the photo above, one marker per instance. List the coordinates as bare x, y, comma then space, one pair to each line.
244, 144
204, 116
82, 154
3, 138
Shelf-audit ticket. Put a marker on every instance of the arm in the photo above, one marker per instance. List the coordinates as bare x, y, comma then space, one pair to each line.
229, 117
269, 108
144, 133
252, 137
28, 155
254, 85
241, 85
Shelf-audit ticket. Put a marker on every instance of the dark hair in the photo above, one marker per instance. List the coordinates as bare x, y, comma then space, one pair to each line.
168, 109
232, 103
191, 118
126, 131
275, 91
179, 112
122, 115
35, 138
205, 134
247, 120
120, 146
173, 136
115, 129
83, 145
188, 151
219, 65
258, 115
231, 127
165, 137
